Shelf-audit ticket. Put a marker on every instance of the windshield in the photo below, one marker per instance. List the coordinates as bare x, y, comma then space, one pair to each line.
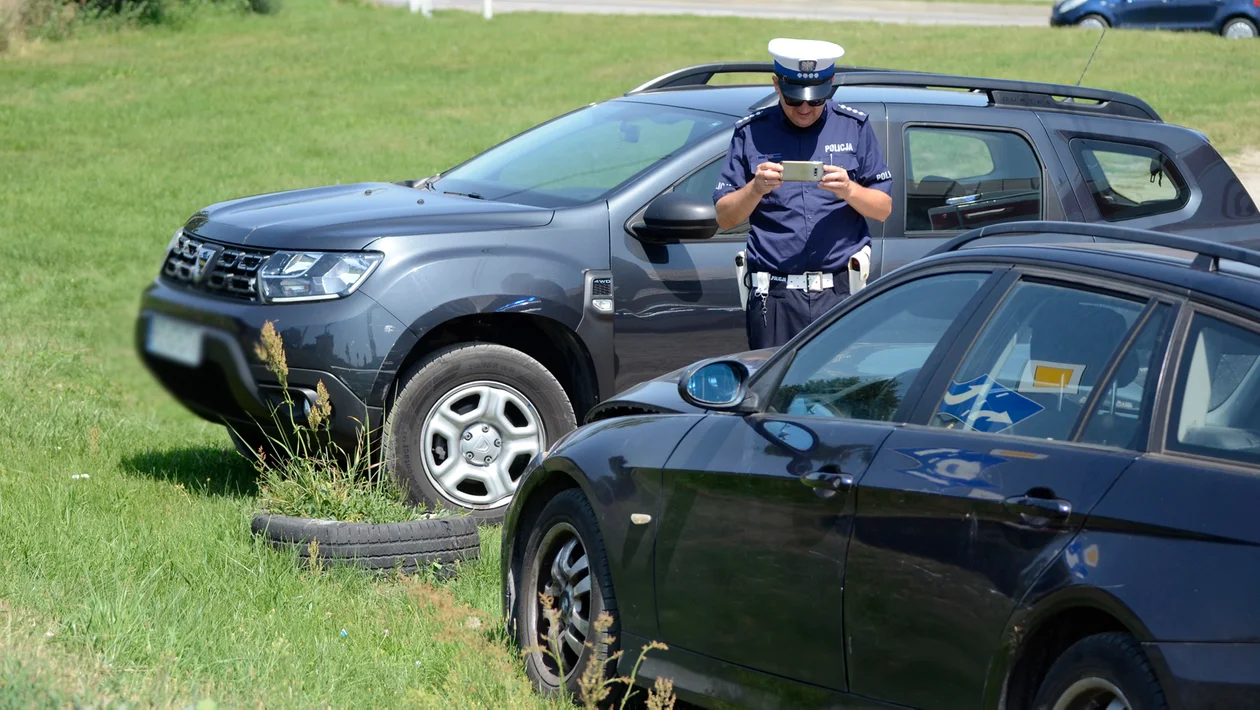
581, 157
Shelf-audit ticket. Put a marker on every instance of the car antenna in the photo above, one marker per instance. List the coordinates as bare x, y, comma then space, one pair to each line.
1091, 56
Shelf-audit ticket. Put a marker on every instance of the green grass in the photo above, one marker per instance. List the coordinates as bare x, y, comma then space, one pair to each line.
145, 570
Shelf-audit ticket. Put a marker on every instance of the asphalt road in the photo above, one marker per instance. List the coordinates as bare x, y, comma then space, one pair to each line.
1020, 14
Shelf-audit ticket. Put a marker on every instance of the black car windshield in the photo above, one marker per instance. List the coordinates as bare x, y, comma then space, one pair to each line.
582, 156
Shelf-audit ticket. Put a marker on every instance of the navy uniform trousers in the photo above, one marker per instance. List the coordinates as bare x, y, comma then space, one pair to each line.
777, 317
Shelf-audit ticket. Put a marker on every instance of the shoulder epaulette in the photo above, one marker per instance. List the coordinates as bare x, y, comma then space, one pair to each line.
851, 112
750, 118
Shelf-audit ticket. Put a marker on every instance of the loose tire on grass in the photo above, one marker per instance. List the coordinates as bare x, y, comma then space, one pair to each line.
410, 545
466, 421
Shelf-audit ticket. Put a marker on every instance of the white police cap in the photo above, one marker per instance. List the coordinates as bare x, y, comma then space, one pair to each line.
805, 66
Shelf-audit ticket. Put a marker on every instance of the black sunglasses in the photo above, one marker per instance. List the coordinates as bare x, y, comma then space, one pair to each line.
798, 102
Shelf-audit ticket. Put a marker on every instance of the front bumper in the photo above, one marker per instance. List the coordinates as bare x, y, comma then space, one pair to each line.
346, 344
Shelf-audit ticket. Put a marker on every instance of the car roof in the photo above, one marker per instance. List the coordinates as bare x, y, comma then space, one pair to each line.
1172, 269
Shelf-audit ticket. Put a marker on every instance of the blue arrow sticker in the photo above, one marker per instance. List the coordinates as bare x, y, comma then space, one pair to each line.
985, 405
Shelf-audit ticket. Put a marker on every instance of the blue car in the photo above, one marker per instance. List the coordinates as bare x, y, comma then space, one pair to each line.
1232, 19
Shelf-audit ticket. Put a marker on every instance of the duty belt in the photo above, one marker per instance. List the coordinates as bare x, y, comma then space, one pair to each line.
813, 281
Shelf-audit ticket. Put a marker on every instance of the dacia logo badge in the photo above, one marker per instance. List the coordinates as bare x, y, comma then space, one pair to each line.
203, 262
808, 64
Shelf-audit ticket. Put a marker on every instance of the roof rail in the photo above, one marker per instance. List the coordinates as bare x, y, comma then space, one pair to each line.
1001, 92
1208, 253
1008, 92
702, 74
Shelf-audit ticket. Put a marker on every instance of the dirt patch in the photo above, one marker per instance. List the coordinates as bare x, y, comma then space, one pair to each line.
1246, 166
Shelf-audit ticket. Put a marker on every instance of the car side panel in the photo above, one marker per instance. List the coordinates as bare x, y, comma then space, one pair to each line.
429, 280
617, 463
674, 303
1172, 554
1178, 544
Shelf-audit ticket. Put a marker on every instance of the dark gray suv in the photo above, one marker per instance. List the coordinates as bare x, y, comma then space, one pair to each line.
474, 316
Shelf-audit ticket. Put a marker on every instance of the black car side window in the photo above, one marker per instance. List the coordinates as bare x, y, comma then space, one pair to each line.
1129, 181
1035, 363
962, 178
860, 365
1216, 405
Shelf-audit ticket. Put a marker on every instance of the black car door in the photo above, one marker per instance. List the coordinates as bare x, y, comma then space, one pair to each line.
756, 510
962, 509
958, 168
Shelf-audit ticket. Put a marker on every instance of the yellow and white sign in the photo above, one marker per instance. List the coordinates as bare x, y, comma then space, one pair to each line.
1051, 377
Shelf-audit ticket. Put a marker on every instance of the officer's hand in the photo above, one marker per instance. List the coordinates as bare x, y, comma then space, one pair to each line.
769, 177
836, 180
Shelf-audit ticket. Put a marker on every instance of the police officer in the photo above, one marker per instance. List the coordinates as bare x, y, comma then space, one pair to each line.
802, 233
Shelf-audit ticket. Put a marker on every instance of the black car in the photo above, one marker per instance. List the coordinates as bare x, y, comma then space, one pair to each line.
1008, 476
477, 315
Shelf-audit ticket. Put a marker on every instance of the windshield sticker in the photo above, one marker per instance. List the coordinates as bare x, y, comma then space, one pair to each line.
1044, 376
985, 405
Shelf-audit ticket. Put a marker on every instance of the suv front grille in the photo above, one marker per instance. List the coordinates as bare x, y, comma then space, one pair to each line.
229, 271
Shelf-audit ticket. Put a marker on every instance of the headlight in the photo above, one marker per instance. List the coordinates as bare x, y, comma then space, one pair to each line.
289, 276
1070, 5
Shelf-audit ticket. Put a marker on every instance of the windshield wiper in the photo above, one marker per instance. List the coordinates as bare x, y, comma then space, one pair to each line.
473, 195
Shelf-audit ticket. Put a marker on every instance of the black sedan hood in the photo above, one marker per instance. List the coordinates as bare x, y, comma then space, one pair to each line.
660, 395
348, 217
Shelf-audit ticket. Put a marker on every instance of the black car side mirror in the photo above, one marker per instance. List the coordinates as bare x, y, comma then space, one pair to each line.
675, 216
718, 385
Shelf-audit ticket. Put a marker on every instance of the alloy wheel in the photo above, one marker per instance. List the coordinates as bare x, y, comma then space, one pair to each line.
1240, 30
1093, 23
1093, 694
477, 441
562, 571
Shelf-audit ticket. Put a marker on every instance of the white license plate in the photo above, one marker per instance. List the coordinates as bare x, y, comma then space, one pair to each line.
174, 340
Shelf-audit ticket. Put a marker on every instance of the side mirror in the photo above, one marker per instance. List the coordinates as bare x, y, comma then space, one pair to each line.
718, 385
674, 216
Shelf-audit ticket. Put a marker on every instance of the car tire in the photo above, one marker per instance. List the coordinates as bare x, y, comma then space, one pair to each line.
407, 546
1093, 21
1238, 28
582, 591
1098, 670
466, 421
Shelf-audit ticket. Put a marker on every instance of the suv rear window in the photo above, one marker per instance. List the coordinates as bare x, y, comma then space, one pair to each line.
1129, 181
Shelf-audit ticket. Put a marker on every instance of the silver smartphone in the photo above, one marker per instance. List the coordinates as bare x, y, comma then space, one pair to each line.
802, 170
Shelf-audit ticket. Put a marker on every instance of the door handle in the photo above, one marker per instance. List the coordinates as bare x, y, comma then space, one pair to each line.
826, 484
1027, 506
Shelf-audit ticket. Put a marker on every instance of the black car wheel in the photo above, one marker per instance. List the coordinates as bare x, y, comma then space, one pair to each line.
1101, 672
1093, 22
565, 560
1239, 28
466, 422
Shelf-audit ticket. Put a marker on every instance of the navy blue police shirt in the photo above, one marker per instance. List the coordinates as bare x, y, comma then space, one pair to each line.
799, 226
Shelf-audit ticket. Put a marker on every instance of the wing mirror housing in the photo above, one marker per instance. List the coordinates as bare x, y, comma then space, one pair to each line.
717, 385
675, 216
